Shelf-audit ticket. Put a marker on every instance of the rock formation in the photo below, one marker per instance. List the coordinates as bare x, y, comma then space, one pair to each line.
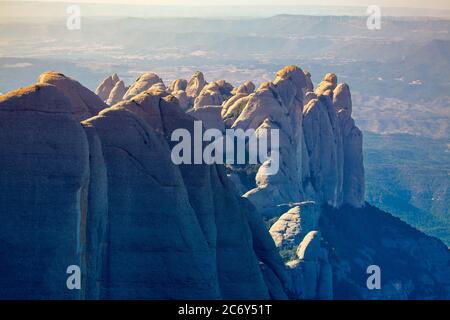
107, 85
178, 85
353, 171
320, 146
278, 105
313, 268
213, 94
85, 103
111, 90
197, 199
183, 99
117, 93
295, 233
246, 88
309, 84
94, 186
290, 229
142, 83
287, 229
324, 144
195, 85
328, 83
136, 224
45, 182
232, 107
147, 203
412, 264
209, 115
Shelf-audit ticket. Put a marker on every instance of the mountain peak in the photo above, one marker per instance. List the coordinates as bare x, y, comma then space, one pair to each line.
85, 103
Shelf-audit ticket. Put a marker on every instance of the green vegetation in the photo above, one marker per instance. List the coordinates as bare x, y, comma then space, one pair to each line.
409, 177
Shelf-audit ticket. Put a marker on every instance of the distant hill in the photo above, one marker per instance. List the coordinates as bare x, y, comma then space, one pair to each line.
410, 177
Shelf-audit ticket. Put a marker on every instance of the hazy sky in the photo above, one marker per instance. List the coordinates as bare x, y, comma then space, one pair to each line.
435, 4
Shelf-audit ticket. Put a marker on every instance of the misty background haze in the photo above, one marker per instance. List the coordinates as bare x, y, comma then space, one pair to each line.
202, 8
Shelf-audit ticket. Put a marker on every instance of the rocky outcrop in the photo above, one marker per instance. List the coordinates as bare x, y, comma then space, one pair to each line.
104, 89
178, 89
309, 84
323, 141
178, 85
141, 175
278, 105
290, 229
44, 183
353, 170
320, 146
105, 195
195, 85
233, 107
210, 201
117, 93
84, 102
342, 99
296, 236
136, 224
287, 228
198, 92
328, 83
313, 268
111, 90
320, 155
412, 264
246, 88
183, 99
213, 94
209, 115
142, 83
315, 127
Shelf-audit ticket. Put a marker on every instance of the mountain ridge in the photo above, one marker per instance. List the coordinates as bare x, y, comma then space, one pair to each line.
141, 227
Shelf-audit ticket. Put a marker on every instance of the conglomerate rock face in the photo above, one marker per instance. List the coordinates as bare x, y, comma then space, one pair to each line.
85, 103
320, 146
412, 264
104, 195
213, 94
195, 85
44, 182
104, 89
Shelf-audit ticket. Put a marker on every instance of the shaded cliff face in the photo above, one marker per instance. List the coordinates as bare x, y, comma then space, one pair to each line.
104, 195
328, 251
151, 225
